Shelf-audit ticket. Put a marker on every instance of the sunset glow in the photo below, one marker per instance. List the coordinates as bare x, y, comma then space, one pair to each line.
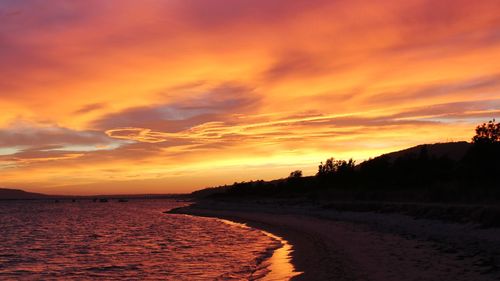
170, 96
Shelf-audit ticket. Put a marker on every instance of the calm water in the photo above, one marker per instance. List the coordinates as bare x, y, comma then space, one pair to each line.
117, 241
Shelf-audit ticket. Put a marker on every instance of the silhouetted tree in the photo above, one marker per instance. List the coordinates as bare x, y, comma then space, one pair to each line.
425, 174
487, 133
332, 167
481, 163
344, 167
295, 181
327, 168
295, 174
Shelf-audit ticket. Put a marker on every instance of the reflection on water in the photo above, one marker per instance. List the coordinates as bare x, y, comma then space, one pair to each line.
110, 241
279, 264
278, 267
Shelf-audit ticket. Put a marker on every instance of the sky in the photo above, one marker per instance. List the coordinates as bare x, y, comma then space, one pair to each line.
169, 96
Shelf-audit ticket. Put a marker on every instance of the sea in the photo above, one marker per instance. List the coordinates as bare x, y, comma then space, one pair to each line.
134, 240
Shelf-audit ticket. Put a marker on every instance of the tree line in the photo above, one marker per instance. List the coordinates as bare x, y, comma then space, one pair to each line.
419, 175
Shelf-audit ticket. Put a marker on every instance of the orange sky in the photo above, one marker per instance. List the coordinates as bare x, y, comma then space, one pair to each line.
158, 96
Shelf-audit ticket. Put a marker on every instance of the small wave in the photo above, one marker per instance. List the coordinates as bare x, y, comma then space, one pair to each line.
135, 240
274, 263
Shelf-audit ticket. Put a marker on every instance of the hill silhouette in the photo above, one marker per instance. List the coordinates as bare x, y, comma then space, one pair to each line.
453, 150
441, 172
14, 194
378, 166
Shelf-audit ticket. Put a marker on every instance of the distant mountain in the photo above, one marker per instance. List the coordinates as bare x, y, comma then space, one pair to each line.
7, 193
453, 150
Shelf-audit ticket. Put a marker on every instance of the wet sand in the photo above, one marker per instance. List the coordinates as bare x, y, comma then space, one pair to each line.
277, 267
330, 245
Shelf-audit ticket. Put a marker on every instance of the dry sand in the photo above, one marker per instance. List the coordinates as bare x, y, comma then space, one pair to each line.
330, 245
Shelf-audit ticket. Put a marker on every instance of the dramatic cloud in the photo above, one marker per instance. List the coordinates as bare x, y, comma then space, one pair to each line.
208, 104
23, 144
174, 95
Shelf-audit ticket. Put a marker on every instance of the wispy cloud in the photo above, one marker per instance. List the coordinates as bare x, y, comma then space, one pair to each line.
188, 93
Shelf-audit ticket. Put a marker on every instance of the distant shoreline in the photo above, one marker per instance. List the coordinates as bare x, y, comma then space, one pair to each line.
332, 245
7, 194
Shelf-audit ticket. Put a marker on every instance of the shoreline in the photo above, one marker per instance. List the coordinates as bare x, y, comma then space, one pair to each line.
276, 267
307, 255
329, 245
279, 264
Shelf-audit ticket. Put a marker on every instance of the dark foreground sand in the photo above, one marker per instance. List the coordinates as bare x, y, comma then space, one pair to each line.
331, 245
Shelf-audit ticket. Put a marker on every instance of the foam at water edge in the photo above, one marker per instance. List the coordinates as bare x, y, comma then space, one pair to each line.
275, 264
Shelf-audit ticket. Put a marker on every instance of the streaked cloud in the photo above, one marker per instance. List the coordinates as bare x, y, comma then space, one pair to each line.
175, 95
26, 134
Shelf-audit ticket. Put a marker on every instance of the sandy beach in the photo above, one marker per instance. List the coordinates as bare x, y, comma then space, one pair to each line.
332, 245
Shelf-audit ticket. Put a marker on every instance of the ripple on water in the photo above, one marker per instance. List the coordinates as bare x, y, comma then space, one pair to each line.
71, 241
